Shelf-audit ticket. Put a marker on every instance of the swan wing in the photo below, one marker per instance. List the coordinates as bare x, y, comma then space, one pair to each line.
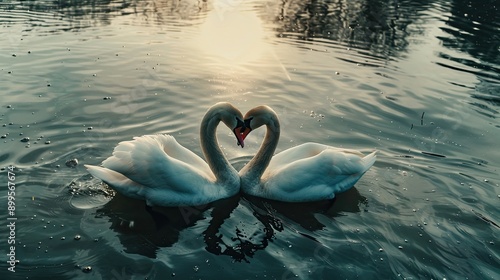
158, 169
317, 177
303, 151
159, 161
163, 144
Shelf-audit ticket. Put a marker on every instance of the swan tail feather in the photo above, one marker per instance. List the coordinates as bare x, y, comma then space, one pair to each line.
343, 183
369, 160
116, 180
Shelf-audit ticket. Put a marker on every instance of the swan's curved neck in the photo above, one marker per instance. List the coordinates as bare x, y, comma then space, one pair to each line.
223, 171
256, 167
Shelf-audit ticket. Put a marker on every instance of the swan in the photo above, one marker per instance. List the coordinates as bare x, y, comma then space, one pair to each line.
157, 169
307, 172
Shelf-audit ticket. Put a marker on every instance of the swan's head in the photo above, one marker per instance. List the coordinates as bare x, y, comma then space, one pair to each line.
259, 116
238, 132
233, 119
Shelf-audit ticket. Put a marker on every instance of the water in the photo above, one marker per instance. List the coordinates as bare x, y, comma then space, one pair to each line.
417, 80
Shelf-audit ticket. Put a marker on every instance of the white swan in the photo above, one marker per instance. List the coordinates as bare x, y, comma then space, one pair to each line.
308, 172
159, 170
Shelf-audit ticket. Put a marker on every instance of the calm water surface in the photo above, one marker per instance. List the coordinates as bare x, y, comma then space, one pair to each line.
417, 80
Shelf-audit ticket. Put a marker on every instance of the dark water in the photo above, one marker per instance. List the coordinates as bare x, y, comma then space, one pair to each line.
417, 80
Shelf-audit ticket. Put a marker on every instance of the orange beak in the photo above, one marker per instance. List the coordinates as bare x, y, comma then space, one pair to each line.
241, 134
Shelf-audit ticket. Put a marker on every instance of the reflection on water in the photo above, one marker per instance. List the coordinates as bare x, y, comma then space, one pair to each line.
143, 230
416, 80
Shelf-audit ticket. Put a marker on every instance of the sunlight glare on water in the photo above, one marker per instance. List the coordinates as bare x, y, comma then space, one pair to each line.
232, 36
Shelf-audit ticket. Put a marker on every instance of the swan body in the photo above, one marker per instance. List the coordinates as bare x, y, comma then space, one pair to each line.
308, 172
156, 168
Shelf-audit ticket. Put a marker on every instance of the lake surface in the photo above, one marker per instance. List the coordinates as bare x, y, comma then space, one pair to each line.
419, 81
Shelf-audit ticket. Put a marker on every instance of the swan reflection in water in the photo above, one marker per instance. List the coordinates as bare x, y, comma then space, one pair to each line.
144, 230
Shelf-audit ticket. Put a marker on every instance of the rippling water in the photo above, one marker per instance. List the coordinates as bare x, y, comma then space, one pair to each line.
417, 80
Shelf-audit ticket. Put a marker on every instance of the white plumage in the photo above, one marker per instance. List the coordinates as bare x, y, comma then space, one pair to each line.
307, 172
158, 169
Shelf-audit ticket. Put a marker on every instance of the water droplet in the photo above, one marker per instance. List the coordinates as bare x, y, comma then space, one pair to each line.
77, 237
380, 250
72, 163
25, 139
196, 268
87, 269
63, 238
400, 247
